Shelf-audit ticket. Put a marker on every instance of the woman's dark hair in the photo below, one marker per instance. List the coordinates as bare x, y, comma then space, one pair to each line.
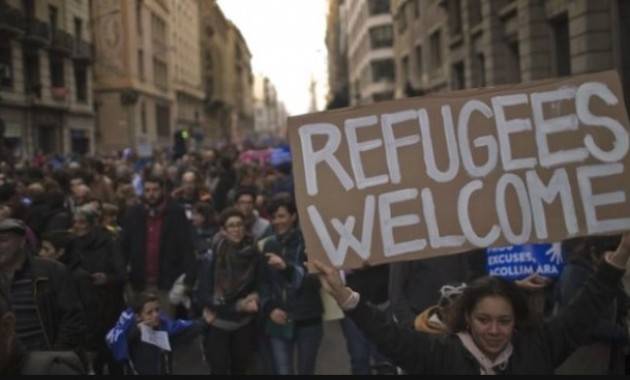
229, 213
282, 200
207, 211
246, 190
142, 299
489, 287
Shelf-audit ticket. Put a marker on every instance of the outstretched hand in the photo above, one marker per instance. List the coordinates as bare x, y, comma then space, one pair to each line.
249, 304
331, 281
621, 256
533, 282
208, 316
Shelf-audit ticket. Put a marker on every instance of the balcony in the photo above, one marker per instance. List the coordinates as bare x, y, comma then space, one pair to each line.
62, 42
12, 20
82, 51
37, 33
59, 93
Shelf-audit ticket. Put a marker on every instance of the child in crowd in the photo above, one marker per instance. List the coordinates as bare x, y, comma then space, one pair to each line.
143, 335
53, 244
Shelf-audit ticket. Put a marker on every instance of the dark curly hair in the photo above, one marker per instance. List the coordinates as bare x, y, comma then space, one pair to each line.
489, 287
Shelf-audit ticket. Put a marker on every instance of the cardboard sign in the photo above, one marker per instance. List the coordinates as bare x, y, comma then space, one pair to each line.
443, 174
519, 261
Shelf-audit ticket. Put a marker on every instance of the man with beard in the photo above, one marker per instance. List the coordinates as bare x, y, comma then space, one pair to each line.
48, 313
156, 241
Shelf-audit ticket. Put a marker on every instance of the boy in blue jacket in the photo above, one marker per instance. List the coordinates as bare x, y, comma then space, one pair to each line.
142, 336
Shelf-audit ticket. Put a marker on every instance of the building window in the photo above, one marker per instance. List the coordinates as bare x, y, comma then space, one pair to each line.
53, 13
160, 71
78, 29
458, 78
163, 120
141, 65
32, 83
381, 36
436, 50
480, 65
401, 19
561, 46
57, 77
377, 7
383, 70
416, 8
419, 63
80, 78
513, 63
139, 16
6, 64
474, 12
143, 117
455, 17
405, 69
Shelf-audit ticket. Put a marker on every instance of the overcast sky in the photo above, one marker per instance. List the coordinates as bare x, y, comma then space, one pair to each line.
287, 40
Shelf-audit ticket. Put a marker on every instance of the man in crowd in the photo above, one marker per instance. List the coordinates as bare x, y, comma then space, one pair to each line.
48, 313
256, 226
16, 360
156, 241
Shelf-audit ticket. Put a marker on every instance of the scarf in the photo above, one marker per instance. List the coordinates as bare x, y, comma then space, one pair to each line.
235, 269
486, 365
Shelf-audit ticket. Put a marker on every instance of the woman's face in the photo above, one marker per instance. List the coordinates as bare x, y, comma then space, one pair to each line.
282, 220
492, 324
234, 229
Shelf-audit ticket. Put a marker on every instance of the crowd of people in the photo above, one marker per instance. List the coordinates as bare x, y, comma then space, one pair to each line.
107, 264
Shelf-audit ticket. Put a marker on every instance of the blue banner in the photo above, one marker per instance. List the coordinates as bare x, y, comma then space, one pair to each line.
519, 261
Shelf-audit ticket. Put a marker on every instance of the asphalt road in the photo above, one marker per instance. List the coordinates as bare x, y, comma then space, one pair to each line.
333, 356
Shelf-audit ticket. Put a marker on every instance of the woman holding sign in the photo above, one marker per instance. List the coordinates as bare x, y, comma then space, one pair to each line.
489, 333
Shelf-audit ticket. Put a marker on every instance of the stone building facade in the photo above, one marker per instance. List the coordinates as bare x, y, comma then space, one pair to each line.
46, 101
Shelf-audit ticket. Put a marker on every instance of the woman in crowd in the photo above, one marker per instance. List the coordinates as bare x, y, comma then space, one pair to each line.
291, 300
228, 287
99, 271
489, 333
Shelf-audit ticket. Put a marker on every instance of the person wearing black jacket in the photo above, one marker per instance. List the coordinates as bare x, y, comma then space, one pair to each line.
291, 300
15, 360
156, 243
49, 314
372, 283
228, 286
489, 329
98, 268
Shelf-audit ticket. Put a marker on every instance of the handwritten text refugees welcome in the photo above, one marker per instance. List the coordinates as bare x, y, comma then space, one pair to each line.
424, 177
